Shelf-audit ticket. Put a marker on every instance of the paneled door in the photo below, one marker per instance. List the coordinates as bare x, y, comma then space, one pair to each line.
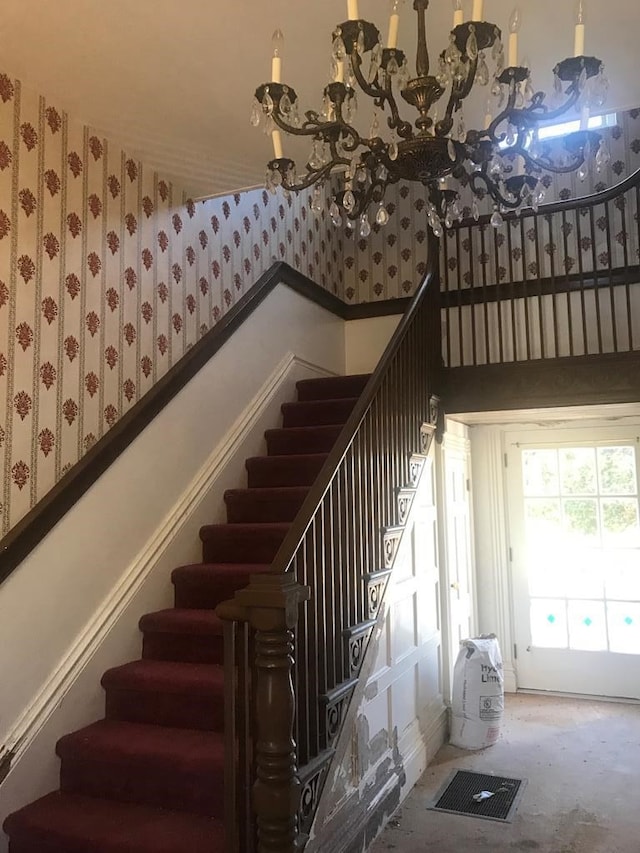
574, 524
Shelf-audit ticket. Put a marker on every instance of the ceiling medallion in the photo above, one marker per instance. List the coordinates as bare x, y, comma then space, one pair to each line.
503, 160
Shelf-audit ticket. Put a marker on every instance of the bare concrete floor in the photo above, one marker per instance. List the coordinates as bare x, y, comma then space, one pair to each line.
582, 762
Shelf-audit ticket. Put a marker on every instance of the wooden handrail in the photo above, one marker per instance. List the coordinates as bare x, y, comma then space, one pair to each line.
337, 554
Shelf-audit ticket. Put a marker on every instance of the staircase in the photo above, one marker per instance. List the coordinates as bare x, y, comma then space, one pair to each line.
148, 778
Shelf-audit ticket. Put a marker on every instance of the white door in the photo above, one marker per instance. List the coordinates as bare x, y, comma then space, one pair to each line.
575, 548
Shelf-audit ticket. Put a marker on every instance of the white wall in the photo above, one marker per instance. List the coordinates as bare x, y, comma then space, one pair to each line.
71, 610
397, 721
365, 341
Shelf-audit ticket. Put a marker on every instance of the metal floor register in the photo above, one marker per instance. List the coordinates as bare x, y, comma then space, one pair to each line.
466, 792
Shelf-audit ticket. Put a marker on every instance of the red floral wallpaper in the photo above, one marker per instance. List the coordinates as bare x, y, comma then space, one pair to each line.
107, 276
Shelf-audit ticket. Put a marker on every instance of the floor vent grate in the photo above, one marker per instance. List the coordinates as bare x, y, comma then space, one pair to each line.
457, 796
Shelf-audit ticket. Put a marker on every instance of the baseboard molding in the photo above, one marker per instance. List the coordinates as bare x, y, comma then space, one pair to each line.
103, 621
510, 678
419, 748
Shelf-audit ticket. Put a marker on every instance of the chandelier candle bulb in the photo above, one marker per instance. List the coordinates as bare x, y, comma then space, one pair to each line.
478, 10
340, 71
458, 13
352, 10
578, 46
276, 62
394, 24
584, 118
276, 138
514, 27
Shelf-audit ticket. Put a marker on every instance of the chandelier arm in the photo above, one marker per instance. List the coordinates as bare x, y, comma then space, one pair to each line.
458, 93
315, 176
540, 112
364, 199
309, 128
492, 189
381, 95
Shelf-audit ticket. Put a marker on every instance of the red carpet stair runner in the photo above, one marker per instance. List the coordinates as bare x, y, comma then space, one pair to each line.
149, 777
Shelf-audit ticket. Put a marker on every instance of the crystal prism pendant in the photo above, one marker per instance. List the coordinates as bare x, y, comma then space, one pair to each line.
285, 105
349, 201
482, 74
451, 151
267, 103
256, 113
462, 129
339, 50
393, 150
365, 226
334, 213
496, 218
382, 216
472, 44
475, 209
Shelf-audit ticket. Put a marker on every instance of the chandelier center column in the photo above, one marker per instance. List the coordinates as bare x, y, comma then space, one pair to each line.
422, 58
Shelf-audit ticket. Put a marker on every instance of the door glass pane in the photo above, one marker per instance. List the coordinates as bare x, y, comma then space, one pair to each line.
617, 469
622, 574
543, 521
624, 627
549, 623
540, 472
584, 573
620, 523
587, 626
578, 471
581, 518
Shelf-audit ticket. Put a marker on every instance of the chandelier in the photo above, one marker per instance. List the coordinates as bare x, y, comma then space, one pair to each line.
503, 160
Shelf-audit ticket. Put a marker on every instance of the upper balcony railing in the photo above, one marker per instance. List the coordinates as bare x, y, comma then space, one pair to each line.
564, 281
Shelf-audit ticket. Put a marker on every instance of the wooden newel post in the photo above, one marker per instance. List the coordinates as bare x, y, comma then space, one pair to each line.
272, 603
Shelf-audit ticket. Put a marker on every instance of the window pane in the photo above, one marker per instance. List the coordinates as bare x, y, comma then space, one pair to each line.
581, 518
617, 468
584, 573
620, 523
624, 627
622, 574
578, 471
548, 623
540, 472
543, 521
587, 626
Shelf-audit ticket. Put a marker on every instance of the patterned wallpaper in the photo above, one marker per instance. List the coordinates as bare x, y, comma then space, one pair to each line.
569, 244
392, 261
107, 276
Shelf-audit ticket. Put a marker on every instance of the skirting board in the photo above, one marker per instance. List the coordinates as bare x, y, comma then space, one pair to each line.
103, 621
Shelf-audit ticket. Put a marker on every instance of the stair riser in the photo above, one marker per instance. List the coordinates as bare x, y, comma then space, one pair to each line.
283, 471
224, 545
247, 509
188, 648
331, 388
180, 710
200, 791
207, 592
279, 443
316, 414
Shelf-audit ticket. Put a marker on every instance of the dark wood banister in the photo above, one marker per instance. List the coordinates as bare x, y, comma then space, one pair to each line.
317, 492
270, 605
31, 530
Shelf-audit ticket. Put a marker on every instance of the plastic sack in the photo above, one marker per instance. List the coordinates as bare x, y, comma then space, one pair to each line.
477, 702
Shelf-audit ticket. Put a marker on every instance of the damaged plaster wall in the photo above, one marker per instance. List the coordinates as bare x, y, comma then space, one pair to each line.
397, 719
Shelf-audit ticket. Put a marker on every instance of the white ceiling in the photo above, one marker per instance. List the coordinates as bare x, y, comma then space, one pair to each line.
173, 81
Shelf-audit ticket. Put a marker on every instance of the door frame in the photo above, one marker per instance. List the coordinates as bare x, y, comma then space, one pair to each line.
490, 505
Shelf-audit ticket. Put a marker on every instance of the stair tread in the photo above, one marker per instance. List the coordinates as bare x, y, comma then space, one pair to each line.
166, 676
208, 569
288, 460
108, 826
116, 741
183, 620
247, 527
